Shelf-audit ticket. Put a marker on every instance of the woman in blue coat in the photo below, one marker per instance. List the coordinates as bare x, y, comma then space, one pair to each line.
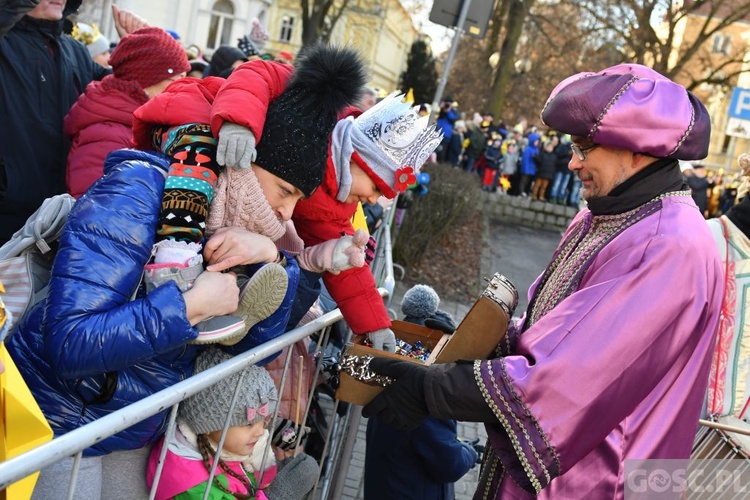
88, 350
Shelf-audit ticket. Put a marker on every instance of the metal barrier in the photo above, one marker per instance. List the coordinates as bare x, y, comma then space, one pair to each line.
339, 442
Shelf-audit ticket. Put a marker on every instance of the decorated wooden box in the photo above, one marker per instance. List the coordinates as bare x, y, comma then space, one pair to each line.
476, 337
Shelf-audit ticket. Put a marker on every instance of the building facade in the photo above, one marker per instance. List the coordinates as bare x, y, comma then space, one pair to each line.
725, 55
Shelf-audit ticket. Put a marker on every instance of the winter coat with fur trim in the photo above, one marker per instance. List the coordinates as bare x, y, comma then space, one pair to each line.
37, 89
87, 350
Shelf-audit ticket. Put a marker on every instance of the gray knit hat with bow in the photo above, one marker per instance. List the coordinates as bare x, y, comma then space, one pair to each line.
207, 411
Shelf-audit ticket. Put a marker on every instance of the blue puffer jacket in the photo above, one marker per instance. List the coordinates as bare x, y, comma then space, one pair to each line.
528, 165
88, 350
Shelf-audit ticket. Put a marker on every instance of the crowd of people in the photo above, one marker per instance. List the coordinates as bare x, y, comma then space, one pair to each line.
518, 161
213, 210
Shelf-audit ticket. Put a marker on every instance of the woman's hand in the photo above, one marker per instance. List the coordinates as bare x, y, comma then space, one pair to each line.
234, 246
126, 22
212, 294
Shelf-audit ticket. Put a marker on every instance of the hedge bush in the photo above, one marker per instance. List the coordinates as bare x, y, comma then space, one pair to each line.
451, 198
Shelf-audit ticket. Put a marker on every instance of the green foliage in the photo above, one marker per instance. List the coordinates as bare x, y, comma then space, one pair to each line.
420, 75
450, 200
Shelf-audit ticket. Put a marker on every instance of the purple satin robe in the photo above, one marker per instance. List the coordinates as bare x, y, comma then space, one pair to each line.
616, 370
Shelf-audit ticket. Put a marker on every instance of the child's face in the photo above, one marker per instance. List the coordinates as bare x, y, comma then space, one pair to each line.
240, 439
281, 195
363, 187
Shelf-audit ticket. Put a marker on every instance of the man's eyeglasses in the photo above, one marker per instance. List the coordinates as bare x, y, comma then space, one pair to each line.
579, 151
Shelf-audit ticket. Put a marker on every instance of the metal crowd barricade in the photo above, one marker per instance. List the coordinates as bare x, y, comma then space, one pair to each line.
341, 434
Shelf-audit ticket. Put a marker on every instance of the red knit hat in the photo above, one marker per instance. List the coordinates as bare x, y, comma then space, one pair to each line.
148, 56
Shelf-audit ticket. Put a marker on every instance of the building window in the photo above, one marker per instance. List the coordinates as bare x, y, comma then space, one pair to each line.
220, 28
287, 29
721, 43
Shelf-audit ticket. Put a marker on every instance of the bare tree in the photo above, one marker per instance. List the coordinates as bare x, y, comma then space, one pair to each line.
648, 31
319, 17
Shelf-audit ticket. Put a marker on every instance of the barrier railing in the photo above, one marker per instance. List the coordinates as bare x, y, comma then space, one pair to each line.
333, 466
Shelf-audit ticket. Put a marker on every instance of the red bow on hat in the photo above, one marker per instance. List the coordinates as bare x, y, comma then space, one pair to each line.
262, 411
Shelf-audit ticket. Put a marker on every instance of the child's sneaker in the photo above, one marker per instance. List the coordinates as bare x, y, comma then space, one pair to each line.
184, 275
226, 329
260, 295
212, 330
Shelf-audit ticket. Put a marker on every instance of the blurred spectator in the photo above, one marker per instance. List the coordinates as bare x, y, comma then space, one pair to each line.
369, 98
285, 57
487, 123
253, 43
198, 68
95, 42
545, 171
455, 146
563, 153
528, 164
699, 186
144, 63
224, 60
476, 144
198, 65
447, 116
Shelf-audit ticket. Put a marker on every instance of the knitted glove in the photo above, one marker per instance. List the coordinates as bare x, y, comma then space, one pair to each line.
295, 478
402, 404
335, 256
383, 339
236, 146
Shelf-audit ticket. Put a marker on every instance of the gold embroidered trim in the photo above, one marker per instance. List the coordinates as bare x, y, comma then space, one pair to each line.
506, 425
562, 275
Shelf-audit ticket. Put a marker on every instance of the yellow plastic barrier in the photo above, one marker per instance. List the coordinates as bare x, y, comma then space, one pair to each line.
22, 426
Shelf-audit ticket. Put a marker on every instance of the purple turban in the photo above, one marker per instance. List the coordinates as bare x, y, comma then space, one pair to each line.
632, 107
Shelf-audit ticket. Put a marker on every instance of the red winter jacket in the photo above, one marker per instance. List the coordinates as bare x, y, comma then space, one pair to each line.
321, 217
98, 123
242, 98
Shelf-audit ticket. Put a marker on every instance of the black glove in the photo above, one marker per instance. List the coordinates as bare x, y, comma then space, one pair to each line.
439, 324
402, 404
294, 479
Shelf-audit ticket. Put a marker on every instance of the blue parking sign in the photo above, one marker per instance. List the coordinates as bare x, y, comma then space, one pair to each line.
740, 106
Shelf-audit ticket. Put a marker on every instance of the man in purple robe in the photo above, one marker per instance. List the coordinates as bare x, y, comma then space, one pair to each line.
611, 360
